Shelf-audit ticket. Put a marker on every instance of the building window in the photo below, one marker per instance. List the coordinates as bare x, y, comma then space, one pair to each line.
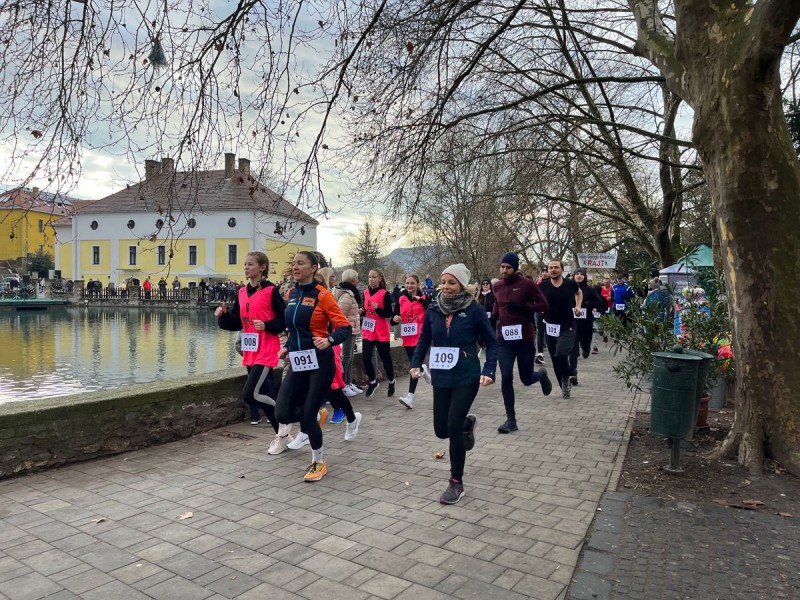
93, 225
191, 223
131, 224
231, 222
162, 255
95, 255
232, 258
192, 255
132, 256
41, 226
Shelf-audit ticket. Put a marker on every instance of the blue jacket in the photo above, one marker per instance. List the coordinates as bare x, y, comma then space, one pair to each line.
622, 293
465, 328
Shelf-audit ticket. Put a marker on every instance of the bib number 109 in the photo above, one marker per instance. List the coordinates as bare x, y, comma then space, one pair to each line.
444, 358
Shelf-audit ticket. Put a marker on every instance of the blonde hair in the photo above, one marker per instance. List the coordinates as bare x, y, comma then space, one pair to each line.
323, 276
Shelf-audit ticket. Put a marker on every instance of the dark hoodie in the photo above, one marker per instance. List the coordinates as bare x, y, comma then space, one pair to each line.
591, 299
515, 301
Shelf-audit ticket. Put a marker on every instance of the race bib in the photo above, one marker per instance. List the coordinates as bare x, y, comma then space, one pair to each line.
408, 329
368, 324
303, 360
444, 358
619, 306
488, 315
582, 314
511, 332
552, 329
249, 342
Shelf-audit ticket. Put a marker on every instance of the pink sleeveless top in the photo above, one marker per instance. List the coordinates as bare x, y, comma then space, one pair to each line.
381, 331
258, 306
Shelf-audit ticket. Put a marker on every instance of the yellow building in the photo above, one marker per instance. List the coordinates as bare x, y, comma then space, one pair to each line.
191, 225
26, 222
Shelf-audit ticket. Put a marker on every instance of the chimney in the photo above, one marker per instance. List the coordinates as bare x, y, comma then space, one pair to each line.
151, 169
244, 166
167, 165
230, 160
35, 191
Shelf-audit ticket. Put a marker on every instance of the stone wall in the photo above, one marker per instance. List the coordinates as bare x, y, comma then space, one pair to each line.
37, 434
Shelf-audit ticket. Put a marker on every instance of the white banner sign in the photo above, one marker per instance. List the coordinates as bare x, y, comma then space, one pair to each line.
597, 260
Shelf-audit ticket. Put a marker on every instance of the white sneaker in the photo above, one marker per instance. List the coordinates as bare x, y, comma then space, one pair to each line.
426, 374
351, 431
300, 440
407, 401
282, 440
356, 389
349, 391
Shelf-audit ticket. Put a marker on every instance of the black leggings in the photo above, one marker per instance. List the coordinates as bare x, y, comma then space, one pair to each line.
412, 383
450, 409
385, 355
307, 388
259, 392
338, 401
559, 349
524, 352
583, 341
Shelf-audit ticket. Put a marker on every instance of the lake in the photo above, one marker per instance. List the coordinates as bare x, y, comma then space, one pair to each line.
68, 351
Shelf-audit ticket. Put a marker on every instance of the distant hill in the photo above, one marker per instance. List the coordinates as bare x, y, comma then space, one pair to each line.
411, 259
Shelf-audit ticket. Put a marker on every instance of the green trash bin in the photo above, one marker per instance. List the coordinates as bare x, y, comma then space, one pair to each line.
674, 393
702, 372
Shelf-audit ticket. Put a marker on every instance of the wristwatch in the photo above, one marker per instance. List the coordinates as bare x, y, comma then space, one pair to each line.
331, 341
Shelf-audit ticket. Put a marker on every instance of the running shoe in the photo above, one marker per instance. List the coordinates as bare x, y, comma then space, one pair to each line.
349, 391
585, 354
356, 389
407, 401
255, 421
507, 427
316, 471
539, 359
573, 379
469, 432
453, 493
371, 389
426, 374
322, 416
605, 339
544, 380
595, 350
338, 416
351, 431
281, 441
391, 388
300, 440
566, 388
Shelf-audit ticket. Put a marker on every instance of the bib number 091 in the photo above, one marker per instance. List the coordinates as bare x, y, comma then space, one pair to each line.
303, 360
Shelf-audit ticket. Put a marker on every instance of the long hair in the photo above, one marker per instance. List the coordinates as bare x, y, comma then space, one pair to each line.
382, 283
261, 259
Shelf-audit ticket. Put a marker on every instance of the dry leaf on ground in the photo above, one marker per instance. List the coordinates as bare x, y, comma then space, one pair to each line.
720, 501
439, 454
186, 515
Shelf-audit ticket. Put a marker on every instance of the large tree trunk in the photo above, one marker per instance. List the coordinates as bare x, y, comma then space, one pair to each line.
754, 178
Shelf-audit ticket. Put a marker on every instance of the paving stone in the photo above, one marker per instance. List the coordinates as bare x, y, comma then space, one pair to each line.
30, 586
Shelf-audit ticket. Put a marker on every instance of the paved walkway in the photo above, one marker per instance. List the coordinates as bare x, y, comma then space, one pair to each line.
215, 517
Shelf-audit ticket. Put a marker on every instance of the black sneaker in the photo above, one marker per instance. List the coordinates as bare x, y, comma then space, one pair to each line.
539, 359
453, 493
391, 389
507, 427
469, 432
573, 379
585, 354
371, 389
544, 380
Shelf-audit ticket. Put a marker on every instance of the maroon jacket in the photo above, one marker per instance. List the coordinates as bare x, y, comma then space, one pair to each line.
515, 301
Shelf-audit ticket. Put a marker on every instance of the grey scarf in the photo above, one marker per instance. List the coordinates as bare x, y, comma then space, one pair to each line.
453, 303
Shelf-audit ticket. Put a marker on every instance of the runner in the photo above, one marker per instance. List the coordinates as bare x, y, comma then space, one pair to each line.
258, 313
315, 323
410, 313
375, 330
516, 299
539, 321
584, 322
452, 328
349, 299
622, 294
564, 301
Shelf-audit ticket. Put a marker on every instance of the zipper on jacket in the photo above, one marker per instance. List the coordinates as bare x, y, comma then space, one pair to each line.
294, 320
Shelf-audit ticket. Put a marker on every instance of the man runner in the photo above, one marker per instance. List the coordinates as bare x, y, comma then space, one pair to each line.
516, 298
564, 299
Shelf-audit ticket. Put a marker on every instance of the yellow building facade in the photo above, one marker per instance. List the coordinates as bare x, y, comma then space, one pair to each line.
26, 223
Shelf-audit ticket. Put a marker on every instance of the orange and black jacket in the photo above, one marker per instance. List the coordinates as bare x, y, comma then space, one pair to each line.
312, 311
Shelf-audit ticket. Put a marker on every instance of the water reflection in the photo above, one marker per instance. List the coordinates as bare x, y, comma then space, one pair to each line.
61, 352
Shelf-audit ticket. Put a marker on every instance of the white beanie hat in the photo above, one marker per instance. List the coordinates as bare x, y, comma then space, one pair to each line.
460, 272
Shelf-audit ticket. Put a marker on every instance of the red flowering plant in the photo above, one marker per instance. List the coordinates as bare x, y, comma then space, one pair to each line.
706, 327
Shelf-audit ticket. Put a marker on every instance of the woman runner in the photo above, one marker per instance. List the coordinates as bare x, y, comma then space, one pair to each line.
375, 330
410, 313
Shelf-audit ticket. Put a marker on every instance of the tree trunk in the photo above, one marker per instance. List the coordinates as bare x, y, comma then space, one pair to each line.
754, 179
